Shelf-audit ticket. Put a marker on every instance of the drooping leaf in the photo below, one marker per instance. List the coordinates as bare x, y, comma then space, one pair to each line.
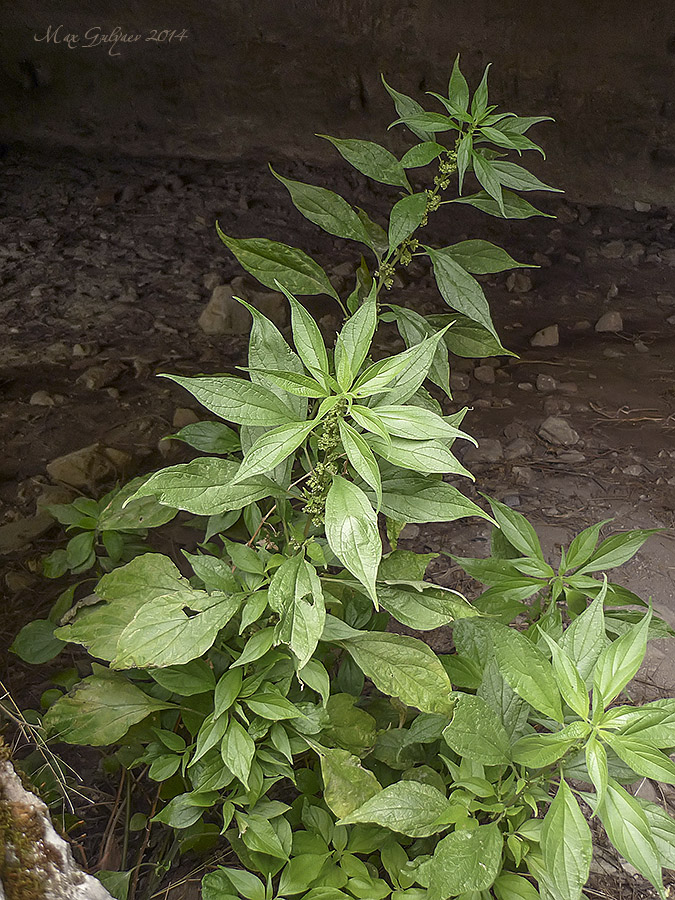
347, 784
296, 594
352, 533
476, 732
482, 257
566, 844
371, 159
460, 290
515, 207
272, 448
209, 437
407, 807
422, 154
362, 458
237, 400
406, 106
405, 218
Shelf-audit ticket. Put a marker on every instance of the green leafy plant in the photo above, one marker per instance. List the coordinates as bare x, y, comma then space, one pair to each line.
261, 681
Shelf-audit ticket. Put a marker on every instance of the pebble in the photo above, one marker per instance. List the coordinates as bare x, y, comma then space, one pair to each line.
584, 215
571, 456
518, 449
553, 406
639, 206
212, 280
522, 475
611, 353
613, 250
184, 416
88, 466
514, 430
41, 398
459, 382
568, 387
525, 386
97, 377
610, 321
634, 470
21, 532
223, 315
484, 374
511, 499
668, 256
582, 325
410, 532
518, 283
665, 299
671, 320
641, 347
541, 260
546, 337
489, 450
612, 291
556, 430
546, 383
88, 348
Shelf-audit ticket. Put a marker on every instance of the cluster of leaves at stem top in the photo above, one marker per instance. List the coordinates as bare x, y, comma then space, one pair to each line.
255, 679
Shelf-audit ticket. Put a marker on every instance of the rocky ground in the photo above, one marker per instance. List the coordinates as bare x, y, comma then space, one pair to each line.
111, 272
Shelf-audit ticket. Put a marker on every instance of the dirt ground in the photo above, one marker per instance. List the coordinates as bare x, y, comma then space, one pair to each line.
106, 265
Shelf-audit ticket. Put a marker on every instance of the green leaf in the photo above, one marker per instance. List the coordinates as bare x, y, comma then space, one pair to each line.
209, 437
464, 157
405, 565
116, 883
162, 634
206, 486
226, 691
272, 706
480, 97
237, 400
412, 422
307, 337
298, 384
326, 209
424, 609
460, 290
585, 638
539, 750
458, 89
347, 785
662, 828
413, 498
361, 457
296, 595
512, 711
407, 807
185, 809
405, 218
616, 550
270, 262
643, 759
569, 679
402, 374
237, 882
379, 244
430, 121
99, 710
566, 845
195, 677
514, 887
422, 154
414, 328
482, 257
582, 547
517, 530
272, 448
628, 829
256, 646
371, 159
36, 644
526, 669
476, 732
515, 207
122, 513
482, 168
352, 533
238, 749
406, 106
419, 456
300, 872
469, 339
353, 342
402, 667
596, 763
514, 176
619, 663
465, 861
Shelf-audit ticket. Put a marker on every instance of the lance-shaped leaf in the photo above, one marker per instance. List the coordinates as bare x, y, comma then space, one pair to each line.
619, 662
517, 530
407, 807
485, 174
515, 207
347, 784
468, 339
482, 257
662, 828
371, 159
643, 759
414, 328
458, 89
616, 550
476, 732
402, 667
566, 845
539, 750
353, 342
272, 448
326, 209
206, 486
422, 155
415, 499
208, 437
412, 422
423, 606
307, 337
420, 456
569, 678
361, 457
238, 749
511, 175
585, 638
405, 217
298, 384
295, 594
429, 121
99, 710
352, 533
237, 400
418, 361
460, 290
406, 106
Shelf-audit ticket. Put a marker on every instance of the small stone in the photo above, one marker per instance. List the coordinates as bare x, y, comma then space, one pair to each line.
223, 315
565, 214
613, 250
668, 256
58, 352
546, 337
51, 494
571, 456
113, 393
556, 430
18, 581
634, 470
514, 430
522, 475
212, 280
88, 348
611, 353
459, 382
518, 283
582, 325
584, 214
541, 260
639, 206
546, 383
41, 398
105, 197
97, 377
511, 499
484, 374
21, 532
610, 321
553, 406
641, 347
665, 299
410, 532
635, 252
88, 466
184, 416
518, 449
489, 450
612, 291
525, 386
671, 320
568, 387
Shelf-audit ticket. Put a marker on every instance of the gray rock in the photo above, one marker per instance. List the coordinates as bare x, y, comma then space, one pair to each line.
668, 256
525, 386
514, 430
518, 283
511, 499
546, 337
410, 532
484, 374
663, 298
97, 377
634, 471
88, 466
183, 416
556, 430
612, 353
582, 325
553, 406
612, 291
223, 315
212, 280
639, 206
518, 449
610, 321
671, 320
41, 398
541, 260
24, 531
489, 450
459, 381
568, 387
546, 383
522, 475
641, 347
613, 250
